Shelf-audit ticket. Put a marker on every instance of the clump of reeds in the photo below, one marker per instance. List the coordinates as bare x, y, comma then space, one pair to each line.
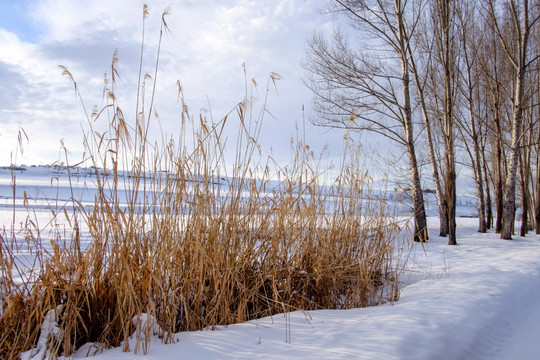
179, 236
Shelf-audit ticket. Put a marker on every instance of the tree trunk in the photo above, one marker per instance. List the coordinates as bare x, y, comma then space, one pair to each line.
517, 122
420, 224
441, 202
499, 205
489, 211
509, 205
450, 191
524, 196
446, 45
443, 217
537, 184
421, 233
476, 157
500, 160
525, 173
479, 179
537, 204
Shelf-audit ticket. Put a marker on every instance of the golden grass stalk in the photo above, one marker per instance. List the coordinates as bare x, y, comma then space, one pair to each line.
177, 238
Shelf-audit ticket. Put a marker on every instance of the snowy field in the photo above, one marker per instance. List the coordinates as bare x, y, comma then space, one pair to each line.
478, 300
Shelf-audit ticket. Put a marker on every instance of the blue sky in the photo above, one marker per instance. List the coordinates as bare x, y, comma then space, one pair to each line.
15, 18
209, 42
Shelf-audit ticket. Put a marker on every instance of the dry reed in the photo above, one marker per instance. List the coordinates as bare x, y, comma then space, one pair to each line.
176, 237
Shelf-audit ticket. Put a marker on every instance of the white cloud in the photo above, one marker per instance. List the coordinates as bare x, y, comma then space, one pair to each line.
67, 20
210, 40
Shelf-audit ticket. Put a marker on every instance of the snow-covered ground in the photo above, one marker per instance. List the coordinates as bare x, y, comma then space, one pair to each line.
478, 300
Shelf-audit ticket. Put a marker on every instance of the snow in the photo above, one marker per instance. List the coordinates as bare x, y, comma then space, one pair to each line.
477, 300
48, 327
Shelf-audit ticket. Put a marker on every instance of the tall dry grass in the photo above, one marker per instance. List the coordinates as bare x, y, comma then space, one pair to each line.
182, 237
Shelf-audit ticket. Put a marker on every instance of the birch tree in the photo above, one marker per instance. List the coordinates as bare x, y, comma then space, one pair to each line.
370, 90
443, 14
470, 42
523, 16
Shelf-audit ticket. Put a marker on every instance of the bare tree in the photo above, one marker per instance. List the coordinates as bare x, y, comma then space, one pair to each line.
537, 187
522, 18
535, 138
443, 14
524, 173
493, 76
370, 90
420, 66
471, 41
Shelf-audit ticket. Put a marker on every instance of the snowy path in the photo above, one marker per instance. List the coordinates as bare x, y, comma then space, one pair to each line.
523, 341
479, 300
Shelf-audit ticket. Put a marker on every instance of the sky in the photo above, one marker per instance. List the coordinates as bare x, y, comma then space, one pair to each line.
209, 40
